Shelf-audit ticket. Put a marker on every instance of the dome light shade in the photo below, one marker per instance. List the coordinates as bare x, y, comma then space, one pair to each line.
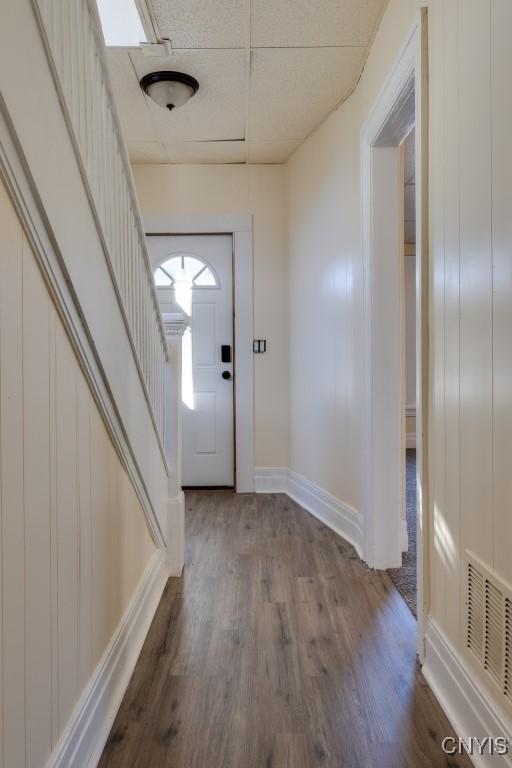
169, 89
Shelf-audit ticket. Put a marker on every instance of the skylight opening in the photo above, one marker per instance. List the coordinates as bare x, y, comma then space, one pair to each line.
121, 23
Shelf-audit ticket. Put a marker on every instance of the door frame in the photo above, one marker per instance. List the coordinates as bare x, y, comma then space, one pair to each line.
239, 226
383, 441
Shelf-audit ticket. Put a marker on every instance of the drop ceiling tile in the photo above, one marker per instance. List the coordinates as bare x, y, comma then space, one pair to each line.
203, 23
271, 151
292, 89
218, 109
314, 22
206, 151
146, 152
131, 103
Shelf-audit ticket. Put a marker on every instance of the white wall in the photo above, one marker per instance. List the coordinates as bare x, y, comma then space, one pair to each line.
259, 190
48, 150
74, 542
326, 280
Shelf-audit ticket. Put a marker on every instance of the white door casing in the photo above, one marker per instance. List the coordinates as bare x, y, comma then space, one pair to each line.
240, 226
207, 382
405, 93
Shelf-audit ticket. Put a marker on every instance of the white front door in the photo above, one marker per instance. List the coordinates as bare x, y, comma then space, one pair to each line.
197, 275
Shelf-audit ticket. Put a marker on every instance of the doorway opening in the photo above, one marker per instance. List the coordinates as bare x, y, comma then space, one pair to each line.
194, 276
397, 123
404, 577
238, 228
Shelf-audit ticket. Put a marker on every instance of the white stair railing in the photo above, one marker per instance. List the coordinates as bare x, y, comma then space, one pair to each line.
77, 52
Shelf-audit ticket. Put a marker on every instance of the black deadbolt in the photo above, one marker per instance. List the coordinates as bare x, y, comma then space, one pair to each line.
226, 375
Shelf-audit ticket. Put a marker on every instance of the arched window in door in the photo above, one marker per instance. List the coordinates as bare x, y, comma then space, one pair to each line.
186, 269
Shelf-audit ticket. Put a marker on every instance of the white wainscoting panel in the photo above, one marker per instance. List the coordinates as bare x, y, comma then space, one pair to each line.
404, 535
74, 540
76, 50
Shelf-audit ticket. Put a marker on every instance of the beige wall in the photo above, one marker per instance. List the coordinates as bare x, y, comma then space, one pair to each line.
74, 541
326, 280
259, 190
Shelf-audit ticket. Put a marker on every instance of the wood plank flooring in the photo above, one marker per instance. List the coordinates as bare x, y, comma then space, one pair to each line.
278, 648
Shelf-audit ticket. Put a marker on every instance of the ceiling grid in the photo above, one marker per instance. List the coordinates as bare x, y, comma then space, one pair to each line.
269, 72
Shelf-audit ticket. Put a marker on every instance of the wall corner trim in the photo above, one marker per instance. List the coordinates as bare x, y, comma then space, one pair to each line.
340, 517
466, 703
84, 738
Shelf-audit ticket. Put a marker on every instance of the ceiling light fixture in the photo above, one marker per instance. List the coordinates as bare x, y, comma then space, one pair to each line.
169, 89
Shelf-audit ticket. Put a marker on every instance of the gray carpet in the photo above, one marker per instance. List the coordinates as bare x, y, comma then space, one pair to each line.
404, 578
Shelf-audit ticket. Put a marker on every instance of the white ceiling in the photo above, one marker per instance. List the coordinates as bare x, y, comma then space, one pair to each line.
269, 71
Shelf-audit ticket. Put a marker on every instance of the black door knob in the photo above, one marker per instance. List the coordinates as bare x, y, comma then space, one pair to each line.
226, 375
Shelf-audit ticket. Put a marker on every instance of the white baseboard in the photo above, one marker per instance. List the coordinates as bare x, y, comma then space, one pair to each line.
466, 703
340, 517
410, 440
84, 738
271, 480
176, 535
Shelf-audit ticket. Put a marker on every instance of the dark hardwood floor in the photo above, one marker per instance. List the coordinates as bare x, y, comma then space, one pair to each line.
278, 647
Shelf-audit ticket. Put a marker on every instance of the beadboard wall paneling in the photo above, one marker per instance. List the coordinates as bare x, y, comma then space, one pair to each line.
76, 49
74, 541
42, 164
471, 356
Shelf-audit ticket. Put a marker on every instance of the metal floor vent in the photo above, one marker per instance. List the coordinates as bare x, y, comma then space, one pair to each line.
489, 623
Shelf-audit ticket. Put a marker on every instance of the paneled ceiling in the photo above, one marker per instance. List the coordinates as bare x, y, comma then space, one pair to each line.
269, 71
